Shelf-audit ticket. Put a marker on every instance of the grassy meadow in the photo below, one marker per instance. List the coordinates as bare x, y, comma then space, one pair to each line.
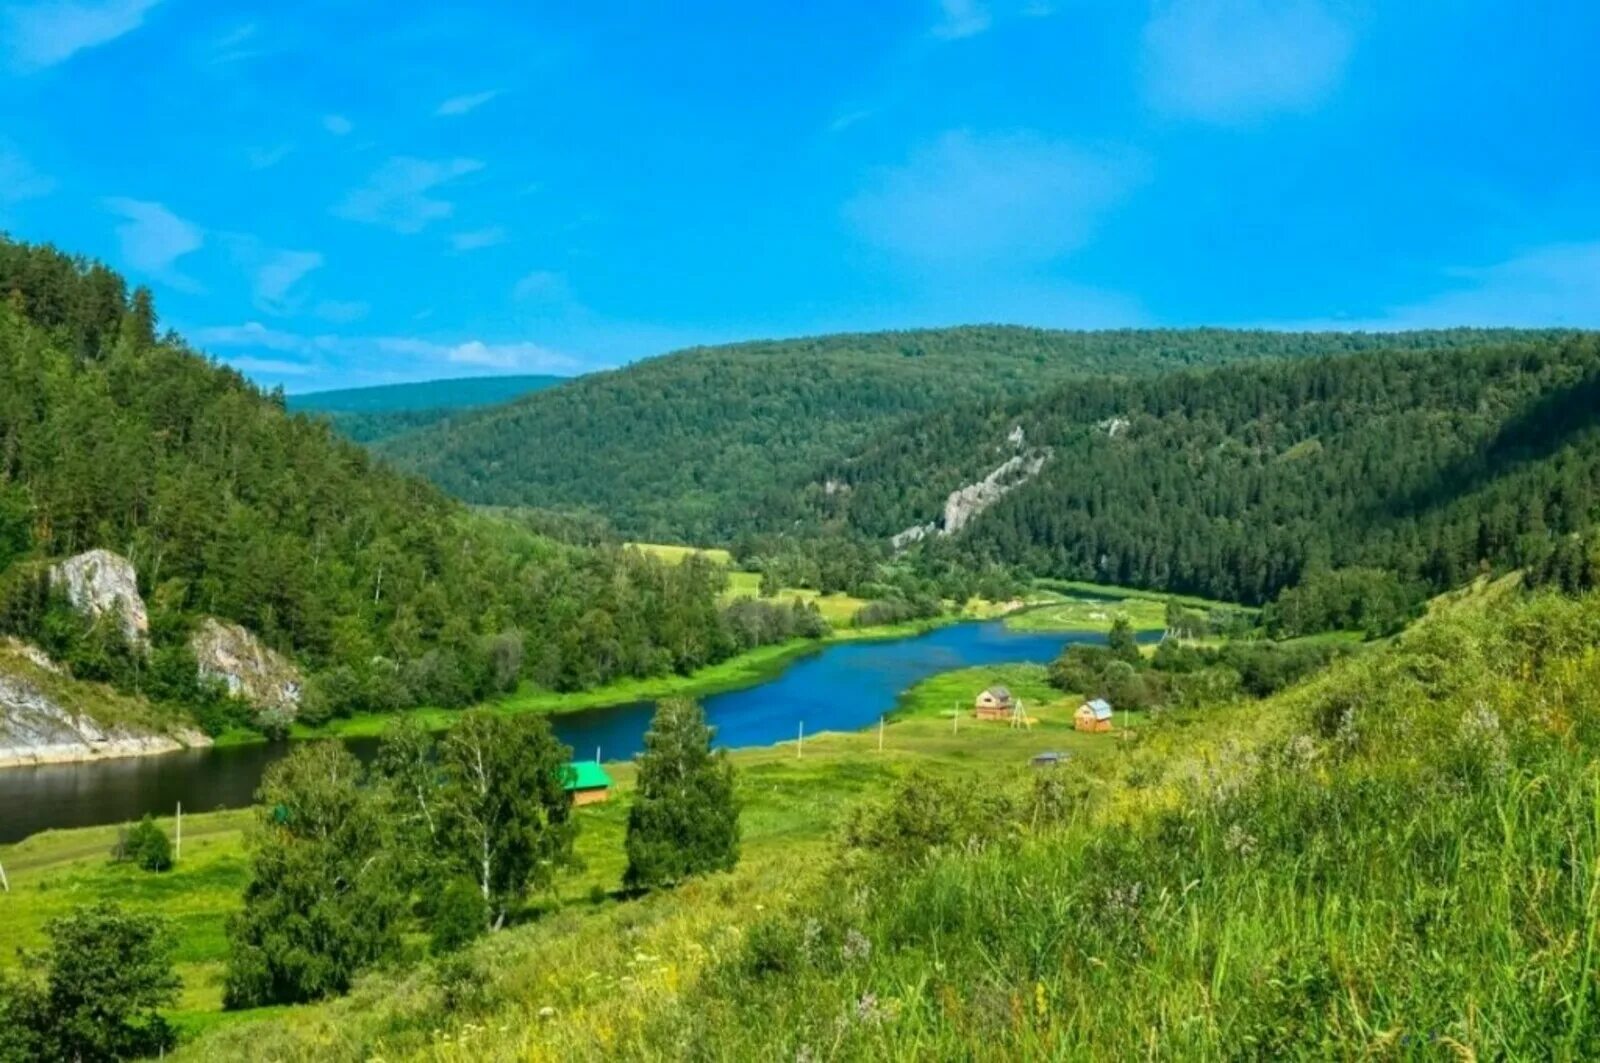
1396, 859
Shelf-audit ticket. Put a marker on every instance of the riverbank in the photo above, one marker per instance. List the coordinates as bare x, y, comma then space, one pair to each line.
793, 799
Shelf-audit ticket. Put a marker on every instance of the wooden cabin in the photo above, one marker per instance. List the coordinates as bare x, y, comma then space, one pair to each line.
587, 782
996, 703
1048, 760
1094, 715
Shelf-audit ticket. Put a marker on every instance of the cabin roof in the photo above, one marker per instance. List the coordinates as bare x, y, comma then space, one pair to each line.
1100, 707
999, 693
586, 775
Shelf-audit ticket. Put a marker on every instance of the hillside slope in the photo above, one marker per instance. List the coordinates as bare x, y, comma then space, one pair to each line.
1236, 482
1396, 859
369, 414
687, 447
228, 507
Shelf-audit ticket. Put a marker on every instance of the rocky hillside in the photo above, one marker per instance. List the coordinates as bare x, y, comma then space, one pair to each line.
705, 444
46, 717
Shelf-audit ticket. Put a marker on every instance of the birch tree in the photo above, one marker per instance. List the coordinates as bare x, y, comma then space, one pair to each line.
505, 818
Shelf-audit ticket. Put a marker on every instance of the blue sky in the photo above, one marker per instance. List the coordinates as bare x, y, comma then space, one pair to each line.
336, 193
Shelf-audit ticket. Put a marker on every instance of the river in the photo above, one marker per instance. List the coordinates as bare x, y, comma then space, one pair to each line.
843, 687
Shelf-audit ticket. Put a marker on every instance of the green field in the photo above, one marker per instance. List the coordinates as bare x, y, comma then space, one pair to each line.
793, 799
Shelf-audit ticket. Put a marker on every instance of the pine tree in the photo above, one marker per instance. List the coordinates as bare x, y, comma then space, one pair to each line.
685, 818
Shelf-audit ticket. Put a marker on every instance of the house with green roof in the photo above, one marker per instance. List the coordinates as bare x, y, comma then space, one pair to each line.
587, 782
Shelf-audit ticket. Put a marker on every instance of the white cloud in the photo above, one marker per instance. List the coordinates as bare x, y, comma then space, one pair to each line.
266, 158
270, 366
337, 124
1013, 200
367, 350
1557, 285
341, 313
18, 179
478, 238
153, 239
962, 18
459, 105
252, 334
277, 274
845, 119
1231, 61
396, 196
542, 285
43, 34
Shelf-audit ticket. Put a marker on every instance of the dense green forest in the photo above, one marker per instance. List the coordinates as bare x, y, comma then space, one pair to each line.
369, 414
689, 447
1238, 482
229, 506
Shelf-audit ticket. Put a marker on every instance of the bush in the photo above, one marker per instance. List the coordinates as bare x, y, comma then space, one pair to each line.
146, 845
107, 975
457, 917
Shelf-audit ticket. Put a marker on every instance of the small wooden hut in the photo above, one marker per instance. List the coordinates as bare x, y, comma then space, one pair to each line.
587, 782
996, 703
1093, 715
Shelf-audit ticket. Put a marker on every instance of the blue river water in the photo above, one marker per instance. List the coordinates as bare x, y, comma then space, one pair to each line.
843, 686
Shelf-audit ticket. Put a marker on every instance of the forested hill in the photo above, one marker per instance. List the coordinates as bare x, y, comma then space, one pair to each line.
1237, 482
687, 447
372, 413
391, 593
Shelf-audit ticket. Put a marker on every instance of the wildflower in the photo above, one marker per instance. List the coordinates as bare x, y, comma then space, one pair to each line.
867, 1010
1124, 900
856, 946
1301, 751
547, 1012
810, 936
1238, 841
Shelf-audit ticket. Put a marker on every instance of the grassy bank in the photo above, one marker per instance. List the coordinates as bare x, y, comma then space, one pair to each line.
793, 801
745, 669
1396, 860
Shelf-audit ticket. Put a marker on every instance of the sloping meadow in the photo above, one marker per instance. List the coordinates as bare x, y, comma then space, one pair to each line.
1397, 858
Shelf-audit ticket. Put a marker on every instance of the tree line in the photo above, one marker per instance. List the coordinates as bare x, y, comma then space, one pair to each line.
388, 592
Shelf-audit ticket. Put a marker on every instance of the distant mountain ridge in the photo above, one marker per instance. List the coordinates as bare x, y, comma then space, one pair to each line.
369, 414
695, 446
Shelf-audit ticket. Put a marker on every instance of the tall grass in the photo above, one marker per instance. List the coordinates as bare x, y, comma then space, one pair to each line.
1399, 859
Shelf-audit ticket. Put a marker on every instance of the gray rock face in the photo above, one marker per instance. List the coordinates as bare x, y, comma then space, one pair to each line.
100, 583
969, 501
36, 727
253, 672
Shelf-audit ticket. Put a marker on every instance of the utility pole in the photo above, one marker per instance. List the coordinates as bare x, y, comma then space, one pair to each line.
4, 884
177, 847
800, 747
880, 734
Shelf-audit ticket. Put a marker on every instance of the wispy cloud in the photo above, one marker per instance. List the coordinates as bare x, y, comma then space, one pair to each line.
153, 239
459, 105
337, 124
341, 313
397, 195
476, 239
1556, 285
43, 34
845, 119
1230, 61
236, 45
1016, 199
370, 350
277, 275
18, 179
962, 18
542, 285
266, 158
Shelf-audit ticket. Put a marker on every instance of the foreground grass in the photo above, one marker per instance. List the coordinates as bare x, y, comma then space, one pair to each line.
1399, 859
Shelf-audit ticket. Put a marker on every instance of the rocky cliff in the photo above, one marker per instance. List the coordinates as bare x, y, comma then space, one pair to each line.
103, 584
252, 672
46, 718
